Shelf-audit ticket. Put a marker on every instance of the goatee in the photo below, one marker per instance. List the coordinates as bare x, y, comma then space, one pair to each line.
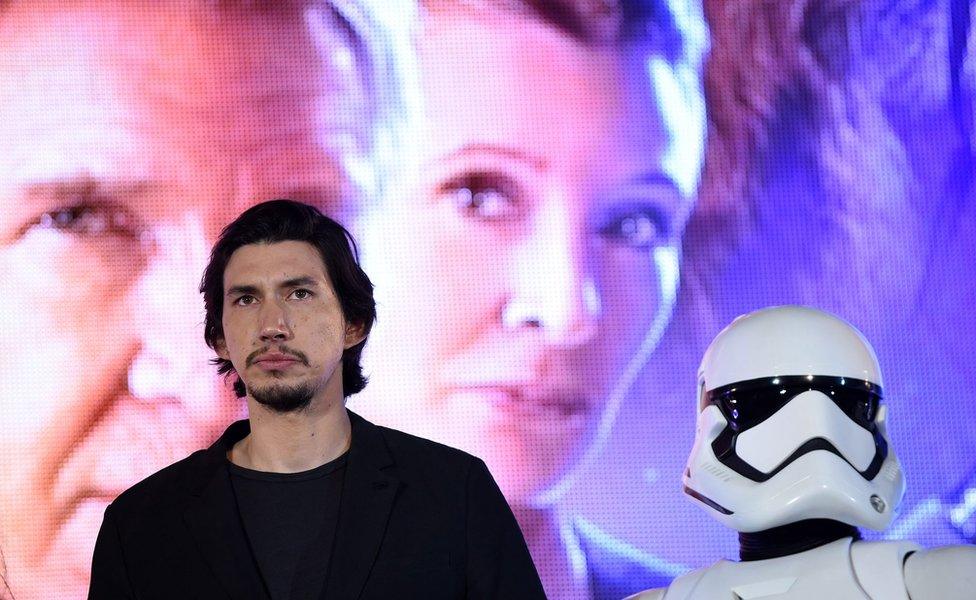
284, 398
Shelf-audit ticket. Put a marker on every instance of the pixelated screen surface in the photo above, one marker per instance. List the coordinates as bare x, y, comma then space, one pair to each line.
560, 204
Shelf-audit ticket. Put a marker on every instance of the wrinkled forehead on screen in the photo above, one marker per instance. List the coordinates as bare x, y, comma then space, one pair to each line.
260, 93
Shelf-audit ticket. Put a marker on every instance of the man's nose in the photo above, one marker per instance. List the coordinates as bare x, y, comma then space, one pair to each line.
554, 288
274, 321
168, 315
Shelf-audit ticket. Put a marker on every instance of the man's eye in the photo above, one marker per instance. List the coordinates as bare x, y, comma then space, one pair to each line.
642, 229
302, 294
244, 301
484, 195
89, 220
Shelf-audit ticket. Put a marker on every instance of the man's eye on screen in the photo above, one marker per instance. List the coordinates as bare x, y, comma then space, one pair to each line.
486, 196
638, 228
89, 219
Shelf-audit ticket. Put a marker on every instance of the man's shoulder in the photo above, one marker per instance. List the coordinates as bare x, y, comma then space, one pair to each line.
618, 569
409, 450
182, 477
163, 486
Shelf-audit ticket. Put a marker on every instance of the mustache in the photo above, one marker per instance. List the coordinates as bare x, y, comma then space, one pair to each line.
301, 356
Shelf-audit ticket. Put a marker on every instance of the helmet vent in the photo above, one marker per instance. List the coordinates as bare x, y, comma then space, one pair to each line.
716, 471
892, 471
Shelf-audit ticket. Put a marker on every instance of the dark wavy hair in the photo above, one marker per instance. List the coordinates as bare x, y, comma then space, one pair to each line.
651, 23
287, 220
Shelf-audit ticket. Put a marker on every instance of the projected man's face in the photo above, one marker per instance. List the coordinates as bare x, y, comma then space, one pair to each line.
130, 137
520, 277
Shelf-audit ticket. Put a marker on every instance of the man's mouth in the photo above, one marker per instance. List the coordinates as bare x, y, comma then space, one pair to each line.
276, 362
279, 359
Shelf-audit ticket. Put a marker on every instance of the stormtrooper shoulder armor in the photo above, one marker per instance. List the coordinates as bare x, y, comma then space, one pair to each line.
946, 573
682, 588
878, 567
655, 594
875, 570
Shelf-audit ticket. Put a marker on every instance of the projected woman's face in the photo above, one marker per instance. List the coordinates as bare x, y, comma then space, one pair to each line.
130, 137
520, 272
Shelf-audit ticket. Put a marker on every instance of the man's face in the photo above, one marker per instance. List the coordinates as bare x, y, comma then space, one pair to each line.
283, 326
129, 138
523, 273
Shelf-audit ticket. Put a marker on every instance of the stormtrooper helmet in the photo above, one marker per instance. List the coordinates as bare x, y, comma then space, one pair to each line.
791, 425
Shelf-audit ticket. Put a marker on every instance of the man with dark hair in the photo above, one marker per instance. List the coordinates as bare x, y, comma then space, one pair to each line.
306, 499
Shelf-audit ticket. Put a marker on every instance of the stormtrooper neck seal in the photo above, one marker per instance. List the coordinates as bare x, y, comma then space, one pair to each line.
793, 538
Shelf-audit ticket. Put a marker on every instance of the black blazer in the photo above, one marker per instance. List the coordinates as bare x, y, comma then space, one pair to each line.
416, 520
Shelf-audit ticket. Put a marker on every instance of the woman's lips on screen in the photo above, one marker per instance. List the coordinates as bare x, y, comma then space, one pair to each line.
526, 401
521, 379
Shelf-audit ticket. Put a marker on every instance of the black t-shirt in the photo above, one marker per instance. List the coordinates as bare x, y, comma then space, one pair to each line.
290, 521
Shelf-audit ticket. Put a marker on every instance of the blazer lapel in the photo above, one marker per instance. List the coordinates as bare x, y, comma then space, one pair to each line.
215, 524
368, 494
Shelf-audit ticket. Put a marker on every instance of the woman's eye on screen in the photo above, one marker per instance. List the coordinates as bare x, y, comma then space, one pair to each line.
488, 196
639, 228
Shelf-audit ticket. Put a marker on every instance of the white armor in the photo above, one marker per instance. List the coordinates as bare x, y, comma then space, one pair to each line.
791, 428
841, 570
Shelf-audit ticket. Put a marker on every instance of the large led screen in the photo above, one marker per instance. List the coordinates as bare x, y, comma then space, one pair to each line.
560, 203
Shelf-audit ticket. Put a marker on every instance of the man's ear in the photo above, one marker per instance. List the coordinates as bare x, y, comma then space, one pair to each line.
220, 346
354, 334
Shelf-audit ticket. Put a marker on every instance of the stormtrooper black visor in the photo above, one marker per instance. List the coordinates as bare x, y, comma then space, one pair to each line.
746, 404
